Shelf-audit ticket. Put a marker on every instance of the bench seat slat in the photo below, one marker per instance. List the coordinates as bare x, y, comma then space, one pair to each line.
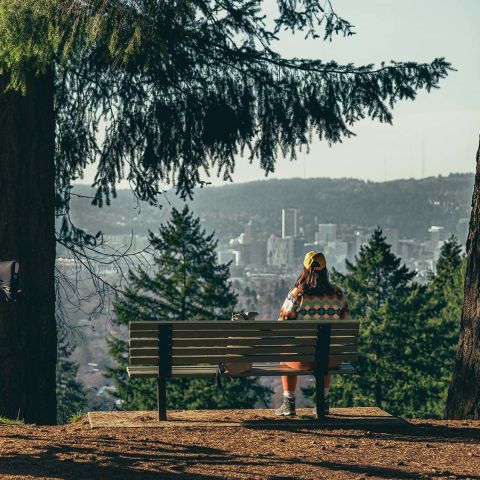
258, 370
227, 350
252, 327
293, 332
222, 334
238, 334
344, 332
223, 342
240, 325
215, 359
240, 350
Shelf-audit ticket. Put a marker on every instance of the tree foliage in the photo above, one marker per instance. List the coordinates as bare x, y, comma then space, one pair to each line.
182, 88
446, 287
71, 395
407, 331
187, 284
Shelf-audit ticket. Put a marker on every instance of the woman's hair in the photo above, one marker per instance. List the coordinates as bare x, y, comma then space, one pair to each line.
314, 282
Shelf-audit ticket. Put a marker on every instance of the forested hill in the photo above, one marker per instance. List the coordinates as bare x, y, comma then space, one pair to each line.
411, 206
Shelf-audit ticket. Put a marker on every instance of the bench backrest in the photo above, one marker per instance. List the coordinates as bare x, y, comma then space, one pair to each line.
214, 342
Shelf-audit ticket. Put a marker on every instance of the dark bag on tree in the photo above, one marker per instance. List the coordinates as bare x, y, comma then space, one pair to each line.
9, 279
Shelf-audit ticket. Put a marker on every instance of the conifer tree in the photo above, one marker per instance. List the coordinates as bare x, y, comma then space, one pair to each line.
449, 261
396, 369
187, 284
446, 288
71, 395
180, 90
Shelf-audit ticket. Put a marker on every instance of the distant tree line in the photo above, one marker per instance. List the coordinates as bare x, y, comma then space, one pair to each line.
410, 205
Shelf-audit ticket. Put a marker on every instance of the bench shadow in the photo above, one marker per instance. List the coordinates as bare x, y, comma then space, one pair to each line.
399, 431
93, 458
47, 464
390, 472
95, 462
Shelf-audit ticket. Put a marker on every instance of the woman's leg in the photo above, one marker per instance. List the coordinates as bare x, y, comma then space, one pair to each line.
328, 378
289, 382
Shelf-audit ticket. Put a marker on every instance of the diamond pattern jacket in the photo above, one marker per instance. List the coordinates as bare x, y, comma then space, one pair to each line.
315, 307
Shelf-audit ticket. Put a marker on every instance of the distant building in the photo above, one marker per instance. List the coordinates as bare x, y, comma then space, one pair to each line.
280, 251
68, 265
226, 256
392, 238
327, 232
251, 232
336, 253
285, 252
408, 248
437, 237
359, 238
254, 254
289, 223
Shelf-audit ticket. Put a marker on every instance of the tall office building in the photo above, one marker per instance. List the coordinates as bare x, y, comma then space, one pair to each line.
289, 222
437, 236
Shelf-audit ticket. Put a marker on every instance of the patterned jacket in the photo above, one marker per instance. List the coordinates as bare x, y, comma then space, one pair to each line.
315, 307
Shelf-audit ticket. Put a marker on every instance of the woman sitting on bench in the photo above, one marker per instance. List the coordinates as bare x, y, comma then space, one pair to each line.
312, 298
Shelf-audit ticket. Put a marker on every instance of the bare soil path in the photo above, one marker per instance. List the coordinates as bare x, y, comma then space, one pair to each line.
418, 449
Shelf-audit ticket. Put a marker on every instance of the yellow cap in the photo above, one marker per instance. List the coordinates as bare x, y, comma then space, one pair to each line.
313, 256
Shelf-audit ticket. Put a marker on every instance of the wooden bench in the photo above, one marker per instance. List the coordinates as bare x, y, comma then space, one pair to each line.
163, 350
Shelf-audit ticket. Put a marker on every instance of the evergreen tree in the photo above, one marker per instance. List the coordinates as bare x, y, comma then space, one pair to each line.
396, 360
449, 262
446, 288
71, 396
187, 284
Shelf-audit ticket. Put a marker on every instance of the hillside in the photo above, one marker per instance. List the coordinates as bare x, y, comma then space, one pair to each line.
411, 206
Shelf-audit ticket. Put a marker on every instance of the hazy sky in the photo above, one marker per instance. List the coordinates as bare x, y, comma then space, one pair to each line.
441, 127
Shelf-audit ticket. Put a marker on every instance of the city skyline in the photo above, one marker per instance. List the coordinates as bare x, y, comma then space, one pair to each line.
259, 251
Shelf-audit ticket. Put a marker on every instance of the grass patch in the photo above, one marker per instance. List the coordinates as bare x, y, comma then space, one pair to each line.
76, 417
306, 417
9, 421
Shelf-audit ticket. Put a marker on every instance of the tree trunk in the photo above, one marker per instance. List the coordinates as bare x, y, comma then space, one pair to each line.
464, 395
27, 233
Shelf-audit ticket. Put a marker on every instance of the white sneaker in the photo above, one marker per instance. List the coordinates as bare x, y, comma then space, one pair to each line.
287, 409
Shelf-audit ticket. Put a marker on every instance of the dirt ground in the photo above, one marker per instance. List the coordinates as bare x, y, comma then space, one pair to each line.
258, 448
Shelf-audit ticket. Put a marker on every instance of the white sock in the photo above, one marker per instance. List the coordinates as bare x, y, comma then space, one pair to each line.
289, 395
325, 392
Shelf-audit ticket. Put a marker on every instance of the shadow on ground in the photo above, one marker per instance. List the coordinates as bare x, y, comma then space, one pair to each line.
134, 454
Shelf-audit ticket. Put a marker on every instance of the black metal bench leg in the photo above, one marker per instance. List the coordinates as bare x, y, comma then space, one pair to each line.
320, 398
162, 398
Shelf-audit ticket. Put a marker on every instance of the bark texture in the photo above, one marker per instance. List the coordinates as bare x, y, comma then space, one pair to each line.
27, 233
464, 394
